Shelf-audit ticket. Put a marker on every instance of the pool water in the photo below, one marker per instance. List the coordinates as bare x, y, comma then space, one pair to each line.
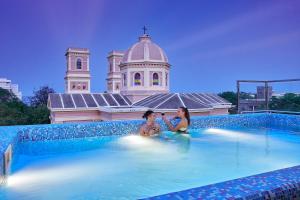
132, 167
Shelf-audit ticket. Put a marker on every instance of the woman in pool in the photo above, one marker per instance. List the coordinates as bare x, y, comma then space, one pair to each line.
184, 117
150, 127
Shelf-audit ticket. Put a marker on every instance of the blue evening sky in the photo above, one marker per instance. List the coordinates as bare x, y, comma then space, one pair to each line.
210, 43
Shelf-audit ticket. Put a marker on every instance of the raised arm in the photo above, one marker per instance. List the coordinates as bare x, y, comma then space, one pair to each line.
180, 125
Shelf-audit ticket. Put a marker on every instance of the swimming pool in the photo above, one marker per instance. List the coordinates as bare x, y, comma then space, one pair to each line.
127, 166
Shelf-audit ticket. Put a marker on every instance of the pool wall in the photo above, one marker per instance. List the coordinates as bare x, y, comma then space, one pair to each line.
16, 134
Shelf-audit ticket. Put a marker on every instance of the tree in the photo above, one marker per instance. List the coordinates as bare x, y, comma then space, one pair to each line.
7, 96
12, 110
232, 98
229, 96
38, 115
15, 112
289, 102
41, 96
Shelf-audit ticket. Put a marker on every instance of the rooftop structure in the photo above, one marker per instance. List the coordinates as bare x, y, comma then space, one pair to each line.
108, 106
140, 71
137, 80
77, 79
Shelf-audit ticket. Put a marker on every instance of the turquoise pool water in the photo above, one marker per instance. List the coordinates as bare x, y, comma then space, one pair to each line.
131, 167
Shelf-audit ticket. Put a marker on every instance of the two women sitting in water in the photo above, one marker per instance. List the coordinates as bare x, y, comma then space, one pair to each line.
151, 127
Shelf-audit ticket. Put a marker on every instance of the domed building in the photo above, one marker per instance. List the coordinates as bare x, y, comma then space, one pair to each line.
137, 80
139, 72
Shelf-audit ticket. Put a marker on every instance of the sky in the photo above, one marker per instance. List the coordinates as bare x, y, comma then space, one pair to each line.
209, 43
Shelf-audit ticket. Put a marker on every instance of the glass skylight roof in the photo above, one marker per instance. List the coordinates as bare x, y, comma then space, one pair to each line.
156, 102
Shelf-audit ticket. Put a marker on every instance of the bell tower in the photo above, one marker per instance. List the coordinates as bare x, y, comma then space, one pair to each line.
113, 80
77, 79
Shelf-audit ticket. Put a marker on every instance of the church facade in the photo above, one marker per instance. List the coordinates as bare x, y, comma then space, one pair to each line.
139, 72
137, 80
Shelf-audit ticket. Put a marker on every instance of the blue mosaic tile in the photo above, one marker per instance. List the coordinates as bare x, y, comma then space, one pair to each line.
280, 184
282, 121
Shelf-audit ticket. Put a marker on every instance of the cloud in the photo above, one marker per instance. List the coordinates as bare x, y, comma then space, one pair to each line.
230, 25
251, 45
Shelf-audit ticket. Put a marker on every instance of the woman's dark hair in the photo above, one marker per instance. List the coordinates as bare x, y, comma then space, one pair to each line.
186, 114
147, 113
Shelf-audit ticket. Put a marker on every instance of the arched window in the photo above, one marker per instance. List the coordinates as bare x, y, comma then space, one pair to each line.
137, 79
110, 67
124, 80
167, 79
155, 80
78, 64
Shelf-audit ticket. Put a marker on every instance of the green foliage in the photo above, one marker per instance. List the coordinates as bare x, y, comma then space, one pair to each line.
232, 96
40, 96
15, 112
38, 115
229, 96
289, 102
7, 96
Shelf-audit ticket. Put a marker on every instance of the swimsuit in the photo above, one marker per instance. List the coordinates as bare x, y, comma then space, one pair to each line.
176, 121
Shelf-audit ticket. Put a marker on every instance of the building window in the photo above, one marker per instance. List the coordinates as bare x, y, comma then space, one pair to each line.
78, 64
137, 79
110, 67
124, 80
167, 79
155, 80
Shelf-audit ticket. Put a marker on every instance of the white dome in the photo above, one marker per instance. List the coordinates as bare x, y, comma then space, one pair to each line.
145, 50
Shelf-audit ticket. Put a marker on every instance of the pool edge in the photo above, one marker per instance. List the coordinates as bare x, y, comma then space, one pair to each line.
14, 134
278, 184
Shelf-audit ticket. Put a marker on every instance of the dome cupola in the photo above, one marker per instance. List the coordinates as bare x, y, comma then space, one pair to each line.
145, 50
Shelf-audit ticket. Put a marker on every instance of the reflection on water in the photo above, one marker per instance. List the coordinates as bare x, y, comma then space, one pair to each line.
163, 143
181, 141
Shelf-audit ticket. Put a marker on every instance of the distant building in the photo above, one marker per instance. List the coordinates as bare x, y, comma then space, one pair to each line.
252, 104
281, 94
261, 92
137, 80
259, 102
14, 88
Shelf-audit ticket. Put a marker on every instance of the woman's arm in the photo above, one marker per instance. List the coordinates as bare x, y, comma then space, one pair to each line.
180, 125
143, 131
157, 126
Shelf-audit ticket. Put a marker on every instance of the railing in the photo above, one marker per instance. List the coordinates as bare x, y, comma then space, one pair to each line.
266, 86
272, 111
